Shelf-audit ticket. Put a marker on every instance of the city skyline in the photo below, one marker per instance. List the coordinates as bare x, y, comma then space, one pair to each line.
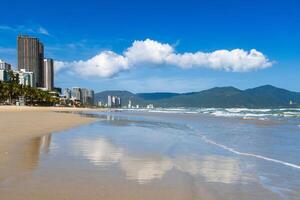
104, 55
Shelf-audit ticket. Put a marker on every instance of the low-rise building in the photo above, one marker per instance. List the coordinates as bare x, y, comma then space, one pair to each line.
4, 75
26, 78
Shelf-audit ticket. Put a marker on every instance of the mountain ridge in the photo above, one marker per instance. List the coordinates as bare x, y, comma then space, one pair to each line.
265, 96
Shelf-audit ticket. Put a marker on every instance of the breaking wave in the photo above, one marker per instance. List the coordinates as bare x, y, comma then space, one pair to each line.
243, 113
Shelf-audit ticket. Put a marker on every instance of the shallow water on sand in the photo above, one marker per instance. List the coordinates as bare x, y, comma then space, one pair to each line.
141, 155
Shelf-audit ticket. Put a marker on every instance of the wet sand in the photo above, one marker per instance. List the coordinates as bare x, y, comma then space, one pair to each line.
18, 125
143, 156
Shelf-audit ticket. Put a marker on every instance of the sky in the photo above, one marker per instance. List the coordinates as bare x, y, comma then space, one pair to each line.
161, 46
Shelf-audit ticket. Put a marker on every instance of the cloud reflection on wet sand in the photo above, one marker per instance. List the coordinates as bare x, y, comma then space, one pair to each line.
145, 168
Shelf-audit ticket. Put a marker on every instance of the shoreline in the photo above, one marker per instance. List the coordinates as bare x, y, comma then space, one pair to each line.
24, 121
4, 108
21, 124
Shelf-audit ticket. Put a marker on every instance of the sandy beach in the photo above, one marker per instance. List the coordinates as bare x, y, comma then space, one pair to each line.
20, 124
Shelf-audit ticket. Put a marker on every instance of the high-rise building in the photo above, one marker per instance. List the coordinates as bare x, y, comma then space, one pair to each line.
87, 96
41, 81
3, 75
31, 57
76, 93
4, 66
67, 93
118, 102
84, 96
48, 74
91, 95
4, 70
113, 101
109, 101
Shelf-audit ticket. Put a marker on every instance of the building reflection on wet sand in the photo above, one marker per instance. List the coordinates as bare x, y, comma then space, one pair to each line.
24, 157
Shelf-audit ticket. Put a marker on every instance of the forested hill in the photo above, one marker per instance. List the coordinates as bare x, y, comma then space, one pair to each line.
266, 96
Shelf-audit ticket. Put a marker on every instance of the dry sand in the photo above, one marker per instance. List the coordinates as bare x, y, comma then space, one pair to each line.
19, 125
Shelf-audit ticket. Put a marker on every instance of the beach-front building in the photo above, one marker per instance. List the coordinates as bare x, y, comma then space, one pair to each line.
76, 93
67, 93
113, 101
31, 57
5, 66
26, 78
4, 75
48, 74
87, 96
4, 69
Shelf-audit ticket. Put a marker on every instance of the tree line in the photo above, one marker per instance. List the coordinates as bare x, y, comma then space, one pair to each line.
11, 91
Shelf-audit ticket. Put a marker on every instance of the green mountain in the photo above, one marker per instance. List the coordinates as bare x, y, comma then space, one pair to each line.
157, 95
260, 97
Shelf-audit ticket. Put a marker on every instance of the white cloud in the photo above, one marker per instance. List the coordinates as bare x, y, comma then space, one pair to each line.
237, 60
43, 31
105, 64
25, 29
150, 52
59, 65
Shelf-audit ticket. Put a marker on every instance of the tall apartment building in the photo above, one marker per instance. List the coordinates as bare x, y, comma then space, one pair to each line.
76, 93
4, 70
109, 101
87, 96
48, 71
113, 101
31, 57
4, 66
67, 93
91, 95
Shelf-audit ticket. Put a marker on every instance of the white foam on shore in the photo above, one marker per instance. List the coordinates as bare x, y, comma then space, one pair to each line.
243, 113
249, 154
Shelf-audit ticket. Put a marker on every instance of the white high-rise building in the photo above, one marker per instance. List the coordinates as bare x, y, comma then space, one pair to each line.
67, 93
76, 93
3, 75
48, 74
113, 101
4, 66
109, 101
87, 96
4, 69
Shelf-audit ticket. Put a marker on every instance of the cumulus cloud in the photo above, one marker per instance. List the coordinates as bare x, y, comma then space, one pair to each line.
150, 52
105, 64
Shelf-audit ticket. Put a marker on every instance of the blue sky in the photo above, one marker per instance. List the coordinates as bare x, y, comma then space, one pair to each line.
90, 39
